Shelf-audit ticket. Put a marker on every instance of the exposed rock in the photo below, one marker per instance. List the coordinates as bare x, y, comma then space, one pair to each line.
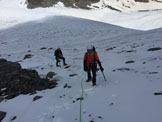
114, 70
80, 98
13, 118
144, 62
1, 99
9, 67
145, 1
50, 48
112, 8
67, 66
2, 60
43, 48
123, 69
73, 101
111, 104
111, 48
2, 115
158, 1
158, 93
40, 3
68, 3
130, 51
100, 117
128, 62
154, 49
27, 56
153, 72
50, 74
36, 98
15, 81
72, 75
67, 86
91, 121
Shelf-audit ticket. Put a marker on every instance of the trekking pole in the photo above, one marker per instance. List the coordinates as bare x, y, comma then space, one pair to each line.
104, 75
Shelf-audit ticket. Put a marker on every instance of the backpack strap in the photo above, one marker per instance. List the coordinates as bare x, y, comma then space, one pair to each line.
86, 57
94, 53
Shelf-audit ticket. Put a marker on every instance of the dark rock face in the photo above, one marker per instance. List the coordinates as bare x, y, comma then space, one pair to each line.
40, 3
145, 1
15, 81
9, 67
68, 3
2, 115
84, 4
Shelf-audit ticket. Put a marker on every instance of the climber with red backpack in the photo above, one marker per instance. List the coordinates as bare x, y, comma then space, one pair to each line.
90, 64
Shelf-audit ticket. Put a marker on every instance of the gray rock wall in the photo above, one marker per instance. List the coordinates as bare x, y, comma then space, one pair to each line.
68, 3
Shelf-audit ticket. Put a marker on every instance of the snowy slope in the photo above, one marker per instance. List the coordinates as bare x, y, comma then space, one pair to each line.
126, 96
128, 93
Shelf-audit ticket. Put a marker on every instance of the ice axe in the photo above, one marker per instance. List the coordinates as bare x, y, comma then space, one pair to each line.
104, 75
102, 70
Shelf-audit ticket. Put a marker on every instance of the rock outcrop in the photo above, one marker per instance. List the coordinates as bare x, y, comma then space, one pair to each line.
15, 81
68, 3
145, 1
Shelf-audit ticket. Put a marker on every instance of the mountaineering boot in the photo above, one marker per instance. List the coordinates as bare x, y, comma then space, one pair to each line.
94, 84
88, 80
65, 64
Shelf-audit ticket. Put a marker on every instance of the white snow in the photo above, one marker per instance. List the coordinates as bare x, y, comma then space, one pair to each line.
126, 96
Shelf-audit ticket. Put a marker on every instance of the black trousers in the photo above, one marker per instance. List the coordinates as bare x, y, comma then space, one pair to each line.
58, 60
92, 68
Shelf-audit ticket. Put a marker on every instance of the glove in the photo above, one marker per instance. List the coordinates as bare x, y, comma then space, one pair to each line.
102, 69
85, 68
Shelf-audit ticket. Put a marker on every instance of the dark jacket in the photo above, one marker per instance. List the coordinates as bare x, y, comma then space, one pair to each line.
58, 53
